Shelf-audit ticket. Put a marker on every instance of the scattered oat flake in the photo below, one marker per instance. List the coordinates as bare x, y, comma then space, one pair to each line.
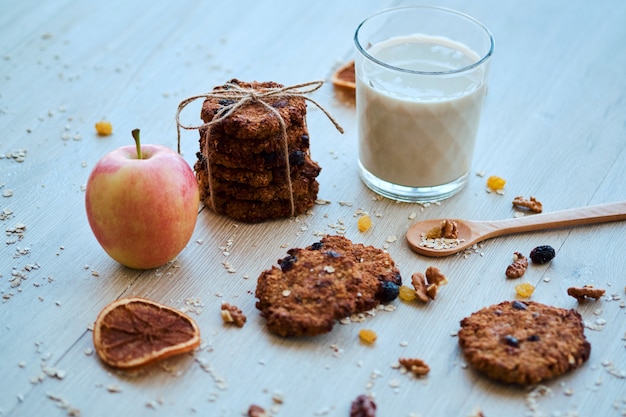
113, 388
391, 239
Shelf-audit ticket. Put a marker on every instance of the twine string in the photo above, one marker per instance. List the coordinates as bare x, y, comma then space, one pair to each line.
240, 97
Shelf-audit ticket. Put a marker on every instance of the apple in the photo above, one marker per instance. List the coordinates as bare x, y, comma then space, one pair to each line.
142, 204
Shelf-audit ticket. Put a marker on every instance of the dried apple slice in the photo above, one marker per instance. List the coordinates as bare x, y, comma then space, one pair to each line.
132, 332
345, 76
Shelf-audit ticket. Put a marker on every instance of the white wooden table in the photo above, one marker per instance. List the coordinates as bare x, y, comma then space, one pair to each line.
554, 127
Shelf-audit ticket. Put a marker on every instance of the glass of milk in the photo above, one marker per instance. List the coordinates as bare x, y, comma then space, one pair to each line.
421, 75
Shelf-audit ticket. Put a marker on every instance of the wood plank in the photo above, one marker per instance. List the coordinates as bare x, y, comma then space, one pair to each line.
553, 127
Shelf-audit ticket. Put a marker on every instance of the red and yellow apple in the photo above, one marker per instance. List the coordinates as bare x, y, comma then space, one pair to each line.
142, 204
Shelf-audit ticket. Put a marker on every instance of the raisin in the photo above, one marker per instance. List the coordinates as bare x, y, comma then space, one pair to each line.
363, 406
287, 262
104, 128
317, 246
525, 289
226, 102
296, 158
533, 338
305, 141
333, 254
280, 104
367, 336
268, 157
407, 293
542, 254
496, 183
389, 291
364, 223
511, 340
519, 305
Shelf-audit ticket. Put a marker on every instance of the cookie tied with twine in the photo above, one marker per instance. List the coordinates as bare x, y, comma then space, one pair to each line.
254, 162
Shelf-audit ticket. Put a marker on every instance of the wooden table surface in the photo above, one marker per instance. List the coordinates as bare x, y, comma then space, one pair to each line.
554, 126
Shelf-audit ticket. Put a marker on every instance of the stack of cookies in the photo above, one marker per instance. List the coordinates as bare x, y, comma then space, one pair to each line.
247, 168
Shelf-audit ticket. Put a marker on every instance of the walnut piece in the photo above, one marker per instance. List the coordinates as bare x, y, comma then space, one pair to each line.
585, 292
431, 291
434, 276
417, 366
532, 204
363, 406
518, 267
449, 229
426, 285
231, 314
419, 283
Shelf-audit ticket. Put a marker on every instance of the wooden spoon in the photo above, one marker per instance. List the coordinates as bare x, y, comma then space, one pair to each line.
471, 232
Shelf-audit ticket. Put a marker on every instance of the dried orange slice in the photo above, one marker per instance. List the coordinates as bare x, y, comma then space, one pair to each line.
133, 331
345, 76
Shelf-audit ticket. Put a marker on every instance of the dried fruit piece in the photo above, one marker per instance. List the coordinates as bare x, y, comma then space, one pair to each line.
232, 314
367, 336
585, 292
364, 223
542, 254
525, 289
345, 76
132, 332
388, 292
518, 267
257, 411
417, 366
496, 183
104, 128
531, 204
407, 293
363, 406
434, 233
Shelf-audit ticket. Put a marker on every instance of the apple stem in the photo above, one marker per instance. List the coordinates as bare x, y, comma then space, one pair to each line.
135, 134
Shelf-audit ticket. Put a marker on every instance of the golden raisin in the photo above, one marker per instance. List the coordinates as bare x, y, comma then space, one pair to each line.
434, 233
104, 128
525, 289
364, 223
367, 336
407, 293
495, 183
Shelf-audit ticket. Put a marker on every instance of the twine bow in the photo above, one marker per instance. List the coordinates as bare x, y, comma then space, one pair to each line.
240, 97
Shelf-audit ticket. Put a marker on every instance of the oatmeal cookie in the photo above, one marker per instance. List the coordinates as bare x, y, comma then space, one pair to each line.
253, 121
523, 342
327, 281
308, 292
373, 263
251, 211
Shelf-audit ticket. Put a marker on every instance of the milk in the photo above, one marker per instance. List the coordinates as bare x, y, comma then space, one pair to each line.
418, 130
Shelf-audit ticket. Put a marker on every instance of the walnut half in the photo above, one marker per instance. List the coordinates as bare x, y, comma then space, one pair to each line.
518, 267
417, 366
585, 292
532, 204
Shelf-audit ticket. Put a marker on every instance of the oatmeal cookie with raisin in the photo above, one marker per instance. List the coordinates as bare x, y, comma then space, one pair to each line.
523, 342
